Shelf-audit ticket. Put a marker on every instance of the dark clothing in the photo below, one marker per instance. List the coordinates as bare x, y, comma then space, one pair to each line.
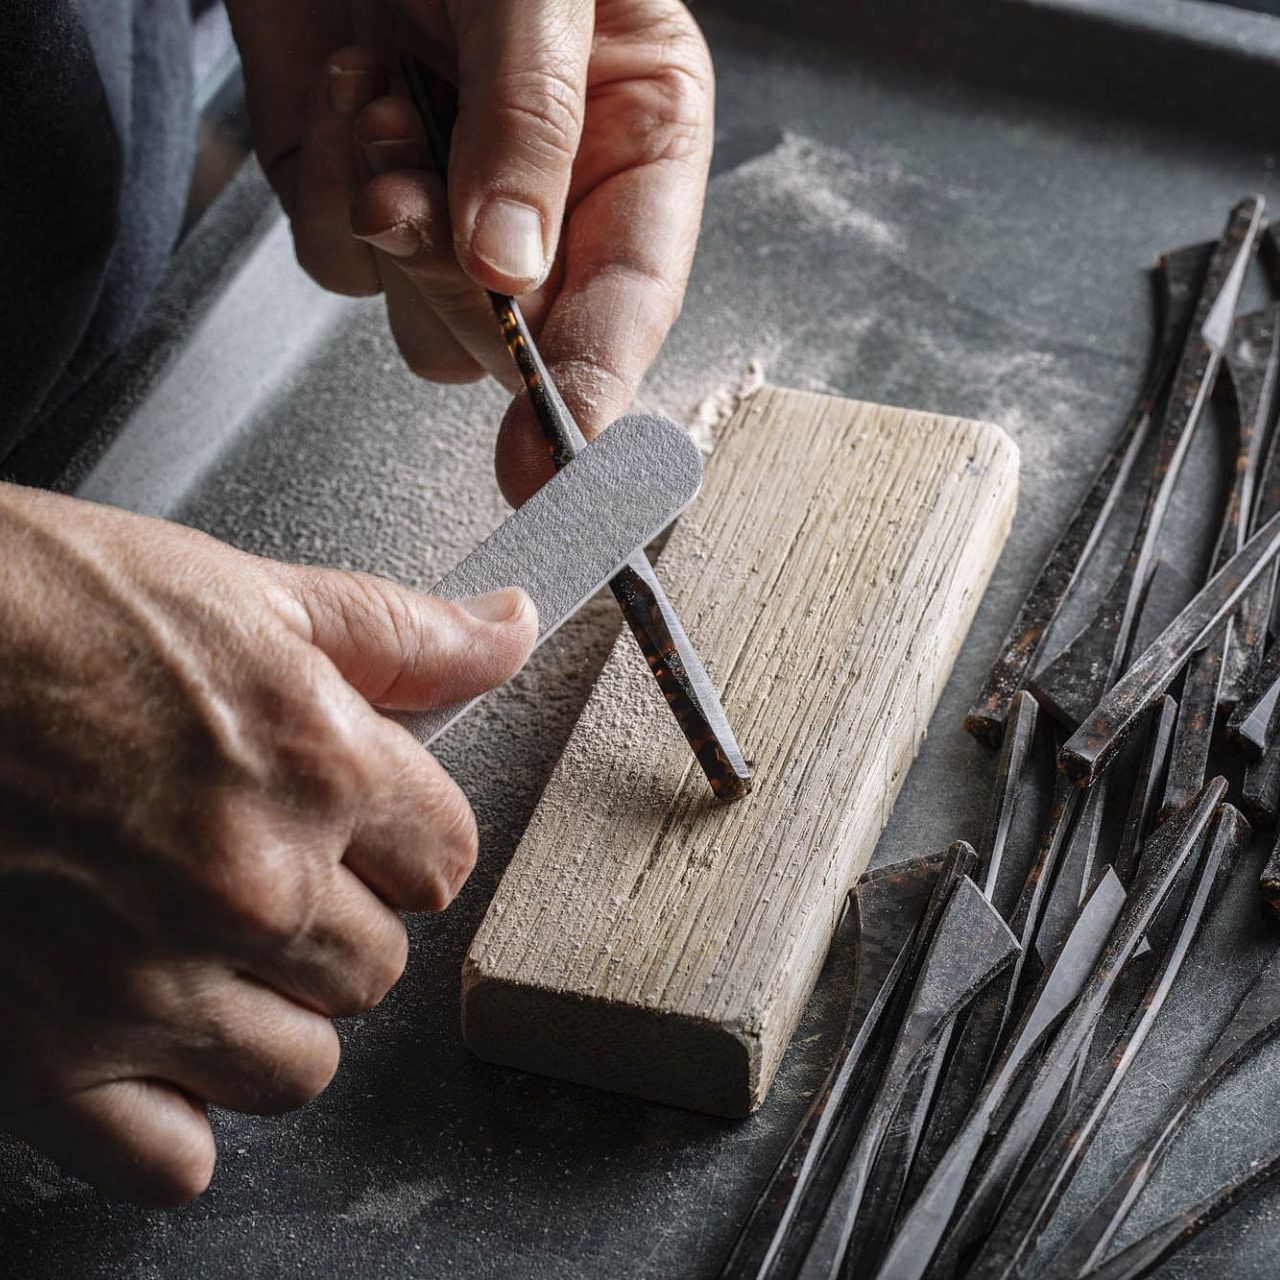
96, 144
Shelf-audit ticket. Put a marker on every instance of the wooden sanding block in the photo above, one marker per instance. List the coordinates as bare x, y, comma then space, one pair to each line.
647, 938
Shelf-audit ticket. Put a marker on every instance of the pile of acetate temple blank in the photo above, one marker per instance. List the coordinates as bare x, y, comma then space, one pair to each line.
982, 1060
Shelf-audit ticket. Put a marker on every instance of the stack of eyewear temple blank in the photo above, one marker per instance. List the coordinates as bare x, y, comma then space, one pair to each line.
985, 1048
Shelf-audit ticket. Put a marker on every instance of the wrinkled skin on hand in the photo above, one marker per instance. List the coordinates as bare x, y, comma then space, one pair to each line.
206, 829
576, 179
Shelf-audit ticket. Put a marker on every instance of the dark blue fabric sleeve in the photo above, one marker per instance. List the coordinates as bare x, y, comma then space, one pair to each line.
96, 142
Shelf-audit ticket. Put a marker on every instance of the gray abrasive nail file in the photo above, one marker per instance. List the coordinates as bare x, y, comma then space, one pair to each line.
577, 531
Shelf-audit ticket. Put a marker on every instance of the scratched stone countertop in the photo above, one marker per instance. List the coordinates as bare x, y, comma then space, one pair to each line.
876, 227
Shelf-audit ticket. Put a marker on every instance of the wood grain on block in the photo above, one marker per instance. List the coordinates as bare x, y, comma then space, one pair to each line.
650, 940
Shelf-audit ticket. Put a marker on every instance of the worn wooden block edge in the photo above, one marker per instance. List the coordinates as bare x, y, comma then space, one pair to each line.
722, 1067
523, 1025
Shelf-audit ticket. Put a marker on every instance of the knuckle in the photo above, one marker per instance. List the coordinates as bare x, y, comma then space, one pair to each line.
179, 1175
385, 608
434, 892
266, 1059
682, 46
677, 139
273, 1060
317, 759
445, 843
170, 1169
309, 1075
457, 845
266, 891
543, 107
373, 966
676, 126
383, 970
372, 600
675, 100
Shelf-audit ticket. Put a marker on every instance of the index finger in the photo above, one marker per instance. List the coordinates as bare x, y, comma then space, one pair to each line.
630, 238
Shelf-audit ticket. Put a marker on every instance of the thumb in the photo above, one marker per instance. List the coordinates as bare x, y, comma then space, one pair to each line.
522, 73
406, 651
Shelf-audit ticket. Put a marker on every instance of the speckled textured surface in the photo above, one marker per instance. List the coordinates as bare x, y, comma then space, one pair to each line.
942, 229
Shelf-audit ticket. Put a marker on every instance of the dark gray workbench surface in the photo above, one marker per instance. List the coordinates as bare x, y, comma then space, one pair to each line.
955, 218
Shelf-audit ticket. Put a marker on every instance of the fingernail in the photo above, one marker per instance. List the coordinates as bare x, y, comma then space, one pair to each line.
401, 240
349, 90
393, 153
508, 237
497, 606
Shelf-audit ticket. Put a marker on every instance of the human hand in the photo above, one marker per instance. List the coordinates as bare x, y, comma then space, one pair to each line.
205, 827
576, 178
